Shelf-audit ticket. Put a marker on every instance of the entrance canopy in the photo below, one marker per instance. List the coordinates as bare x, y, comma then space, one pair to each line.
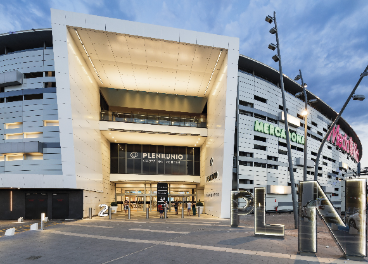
137, 63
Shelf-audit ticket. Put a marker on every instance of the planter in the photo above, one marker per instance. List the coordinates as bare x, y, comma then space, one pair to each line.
114, 209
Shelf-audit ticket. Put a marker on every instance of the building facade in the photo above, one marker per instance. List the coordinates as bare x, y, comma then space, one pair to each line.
96, 110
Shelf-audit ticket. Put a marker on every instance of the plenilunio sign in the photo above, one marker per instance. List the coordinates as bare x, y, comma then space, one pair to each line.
276, 131
343, 143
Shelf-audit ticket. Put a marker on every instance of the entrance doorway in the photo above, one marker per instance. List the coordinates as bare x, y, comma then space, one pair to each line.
60, 206
36, 203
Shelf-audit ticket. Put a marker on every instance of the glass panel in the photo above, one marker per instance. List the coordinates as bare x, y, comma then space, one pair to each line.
164, 120
152, 119
175, 121
114, 158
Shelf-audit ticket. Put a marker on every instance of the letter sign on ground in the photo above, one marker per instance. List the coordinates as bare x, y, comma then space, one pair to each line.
350, 236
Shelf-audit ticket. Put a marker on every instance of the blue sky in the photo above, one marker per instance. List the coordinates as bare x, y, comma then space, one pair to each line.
327, 40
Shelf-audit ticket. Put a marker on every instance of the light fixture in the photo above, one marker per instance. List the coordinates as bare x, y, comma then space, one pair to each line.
272, 46
85, 50
269, 19
312, 101
358, 97
273, 30
297, 78
304, 113
305, 85
298, 94
275, 58
213, 71
364, 74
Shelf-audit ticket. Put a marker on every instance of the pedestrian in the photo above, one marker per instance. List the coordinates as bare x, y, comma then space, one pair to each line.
194, 208
161, 210
126, 206
166, 207
176, 207
189, 206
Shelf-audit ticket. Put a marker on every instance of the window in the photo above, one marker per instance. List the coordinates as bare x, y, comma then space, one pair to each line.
14, 136
260, 147
242, 112
274, 167
14, 98
33, 135
33, 96
325, 130
314, 124
245, 154
319, 133
313, 153
260, 116
50, 74
282, 144
50, 122
300, 116
244, 103
260, 165
49, 84
258, 138
282, 152
260, 99
329, 147
246, 163
13, 125
14, 157
33, 75
272, 158
282, 108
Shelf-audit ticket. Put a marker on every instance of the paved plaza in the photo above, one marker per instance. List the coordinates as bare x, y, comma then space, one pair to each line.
154, 240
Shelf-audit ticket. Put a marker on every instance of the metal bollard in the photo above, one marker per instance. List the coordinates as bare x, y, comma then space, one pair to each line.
147, 212
90, 213
165, 216
42, 220
129, 212
199, 211
182, 211
109, 212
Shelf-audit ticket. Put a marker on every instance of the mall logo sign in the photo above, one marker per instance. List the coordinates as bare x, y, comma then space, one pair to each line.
344, 143
276, 131
135, 155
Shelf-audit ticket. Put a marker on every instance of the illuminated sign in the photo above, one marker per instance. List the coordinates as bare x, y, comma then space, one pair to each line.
291, 119
276, 131
278, 189
103, 211
241, 204
260, 226
350, 236
343, 143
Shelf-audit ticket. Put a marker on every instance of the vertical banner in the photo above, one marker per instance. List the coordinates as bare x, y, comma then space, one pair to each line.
260, 226
350, 236
162, 193
241, 204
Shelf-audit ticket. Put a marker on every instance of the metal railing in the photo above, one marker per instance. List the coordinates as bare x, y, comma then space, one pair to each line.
199, 121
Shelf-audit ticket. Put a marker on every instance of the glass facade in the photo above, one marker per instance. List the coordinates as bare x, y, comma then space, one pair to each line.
150, 159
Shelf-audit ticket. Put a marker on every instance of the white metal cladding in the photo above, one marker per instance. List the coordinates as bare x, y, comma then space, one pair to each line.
30, 116
251, 176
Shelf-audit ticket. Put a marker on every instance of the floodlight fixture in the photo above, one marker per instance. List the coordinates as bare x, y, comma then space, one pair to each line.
297, 78
269, 19
364, 74
304, 113
272, 46
273, 30
358, 97
298, 94
275, 58
305, 85
312, 101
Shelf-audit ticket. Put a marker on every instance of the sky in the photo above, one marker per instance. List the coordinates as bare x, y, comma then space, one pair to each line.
327, 40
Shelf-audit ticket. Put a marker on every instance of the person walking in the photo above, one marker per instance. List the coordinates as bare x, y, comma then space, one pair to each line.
176, 207
189, 206
161, 210
126, 206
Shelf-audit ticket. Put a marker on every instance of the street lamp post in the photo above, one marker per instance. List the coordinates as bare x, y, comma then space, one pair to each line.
356, 97
277, 58
305, 114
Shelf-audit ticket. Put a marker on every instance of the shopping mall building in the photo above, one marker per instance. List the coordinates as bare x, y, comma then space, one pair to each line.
97, 110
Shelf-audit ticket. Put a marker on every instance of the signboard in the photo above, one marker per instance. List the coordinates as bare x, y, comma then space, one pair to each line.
162, 193
343, 143
277, 131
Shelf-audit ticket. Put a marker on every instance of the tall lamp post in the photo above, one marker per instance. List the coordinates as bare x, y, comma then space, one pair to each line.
277, 58
355, 97
305, 114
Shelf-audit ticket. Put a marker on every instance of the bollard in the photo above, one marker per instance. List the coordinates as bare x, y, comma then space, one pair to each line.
199, 211
147, 212
90, 213
165, 216
129, 212
109, 212
42, 220
182, 211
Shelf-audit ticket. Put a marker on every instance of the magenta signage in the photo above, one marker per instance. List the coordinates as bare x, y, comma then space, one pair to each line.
343, 143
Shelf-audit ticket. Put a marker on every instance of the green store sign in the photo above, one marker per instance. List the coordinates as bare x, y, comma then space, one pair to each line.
276, 131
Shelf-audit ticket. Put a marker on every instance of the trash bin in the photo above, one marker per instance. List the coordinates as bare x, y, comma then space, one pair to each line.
194, 210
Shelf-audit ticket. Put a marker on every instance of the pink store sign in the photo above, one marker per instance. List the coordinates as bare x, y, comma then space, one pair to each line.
343, 143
